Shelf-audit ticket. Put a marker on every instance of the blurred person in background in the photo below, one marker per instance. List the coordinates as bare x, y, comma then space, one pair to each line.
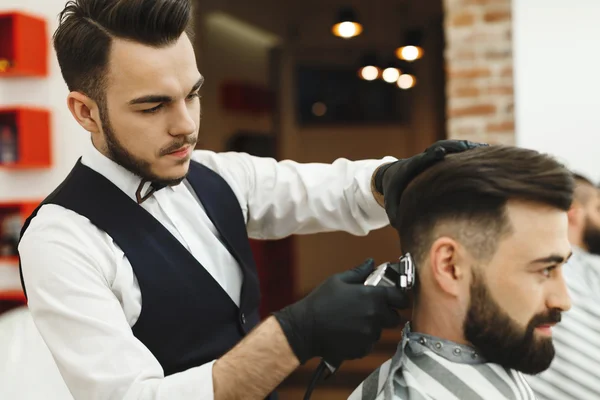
575, 372
488, 233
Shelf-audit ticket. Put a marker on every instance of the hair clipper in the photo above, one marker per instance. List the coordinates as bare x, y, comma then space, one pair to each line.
400, 274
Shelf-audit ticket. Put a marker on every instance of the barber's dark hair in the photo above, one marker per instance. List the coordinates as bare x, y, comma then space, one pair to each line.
469, 191
87, 27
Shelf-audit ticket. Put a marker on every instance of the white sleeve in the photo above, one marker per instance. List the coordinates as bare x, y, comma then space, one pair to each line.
27, 370
82, 321
286, 197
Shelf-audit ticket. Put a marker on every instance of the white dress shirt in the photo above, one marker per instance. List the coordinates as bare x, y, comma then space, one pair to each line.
83, 294
27, 370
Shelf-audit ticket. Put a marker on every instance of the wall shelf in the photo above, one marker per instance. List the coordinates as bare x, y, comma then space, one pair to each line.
23, 45
30, 128
16, 296
10, 283
9, 261
24, 208
11, 292
19, 212
25, 136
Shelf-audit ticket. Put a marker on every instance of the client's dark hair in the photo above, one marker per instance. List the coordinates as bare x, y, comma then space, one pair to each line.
87, 27
470, 190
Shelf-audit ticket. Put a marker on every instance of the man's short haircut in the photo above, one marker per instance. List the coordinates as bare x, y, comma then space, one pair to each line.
582, 179
467, 193
584, 189
87, 28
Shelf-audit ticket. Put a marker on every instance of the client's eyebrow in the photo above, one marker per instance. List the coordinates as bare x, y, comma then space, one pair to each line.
552, 259
152, 98
198, 84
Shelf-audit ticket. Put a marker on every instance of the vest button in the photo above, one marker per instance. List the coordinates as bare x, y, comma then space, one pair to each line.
243, 318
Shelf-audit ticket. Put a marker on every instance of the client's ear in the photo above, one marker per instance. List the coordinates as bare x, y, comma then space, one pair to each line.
447, 271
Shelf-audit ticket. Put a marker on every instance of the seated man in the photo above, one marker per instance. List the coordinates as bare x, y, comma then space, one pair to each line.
488, 233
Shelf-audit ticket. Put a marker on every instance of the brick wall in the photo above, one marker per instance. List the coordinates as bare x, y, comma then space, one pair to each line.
479, 88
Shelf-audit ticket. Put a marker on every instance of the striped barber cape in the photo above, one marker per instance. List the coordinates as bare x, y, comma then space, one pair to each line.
428, 368
575, 371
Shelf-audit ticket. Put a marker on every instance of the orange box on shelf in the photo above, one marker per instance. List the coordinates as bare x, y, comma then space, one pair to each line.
13, 295
12, 218
23, 45
28, 131
10, 280
24, 208
11, 292
9, 260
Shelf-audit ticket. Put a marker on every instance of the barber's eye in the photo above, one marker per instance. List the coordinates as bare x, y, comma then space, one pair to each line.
548, 271
153, 109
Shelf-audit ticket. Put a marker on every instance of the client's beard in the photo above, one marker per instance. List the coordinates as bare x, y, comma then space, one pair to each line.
499, 339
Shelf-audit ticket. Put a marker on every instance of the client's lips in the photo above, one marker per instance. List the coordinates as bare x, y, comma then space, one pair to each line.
545, 329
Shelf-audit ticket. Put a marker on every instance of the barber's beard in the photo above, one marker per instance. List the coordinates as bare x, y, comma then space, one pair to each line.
499, 339
135, 165
591, 237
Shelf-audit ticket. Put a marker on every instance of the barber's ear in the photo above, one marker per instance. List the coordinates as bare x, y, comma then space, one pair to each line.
448, 270
85, 111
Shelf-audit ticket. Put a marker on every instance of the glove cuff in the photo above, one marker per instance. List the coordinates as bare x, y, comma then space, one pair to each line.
377, 181
297, 342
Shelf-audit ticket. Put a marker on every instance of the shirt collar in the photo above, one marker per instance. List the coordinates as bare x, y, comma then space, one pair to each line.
124, 179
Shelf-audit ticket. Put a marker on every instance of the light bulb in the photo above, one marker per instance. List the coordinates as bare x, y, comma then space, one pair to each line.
409, 53
391, 75
369, 73
406, 81
347, 29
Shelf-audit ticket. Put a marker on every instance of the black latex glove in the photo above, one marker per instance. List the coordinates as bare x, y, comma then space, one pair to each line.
392, 179
341, 319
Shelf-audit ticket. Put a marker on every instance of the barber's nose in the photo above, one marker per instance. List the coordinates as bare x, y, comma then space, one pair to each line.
182, 122
559, 296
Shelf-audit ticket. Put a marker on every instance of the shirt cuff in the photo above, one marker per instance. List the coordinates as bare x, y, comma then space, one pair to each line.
195, 383
374, 214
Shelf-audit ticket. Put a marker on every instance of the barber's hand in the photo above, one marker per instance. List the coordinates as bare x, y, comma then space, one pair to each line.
392, 179
341, 319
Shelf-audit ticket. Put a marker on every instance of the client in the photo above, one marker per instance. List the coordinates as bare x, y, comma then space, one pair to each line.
488, 232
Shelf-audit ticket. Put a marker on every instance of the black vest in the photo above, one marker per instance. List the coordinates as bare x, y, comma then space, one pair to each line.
187, 319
